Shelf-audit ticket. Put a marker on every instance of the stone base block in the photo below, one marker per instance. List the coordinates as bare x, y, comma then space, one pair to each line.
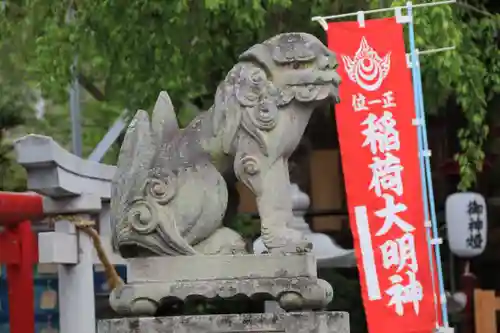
289, 279
226, 267
294, 322
291, 293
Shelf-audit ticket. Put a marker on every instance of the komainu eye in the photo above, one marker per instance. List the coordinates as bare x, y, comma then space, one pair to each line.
299, 65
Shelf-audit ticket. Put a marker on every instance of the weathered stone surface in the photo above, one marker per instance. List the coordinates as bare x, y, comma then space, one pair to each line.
291, 293
193, 268
298, 322
169, 195
290, 279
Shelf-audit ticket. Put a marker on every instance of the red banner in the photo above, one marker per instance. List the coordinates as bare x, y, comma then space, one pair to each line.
379, 150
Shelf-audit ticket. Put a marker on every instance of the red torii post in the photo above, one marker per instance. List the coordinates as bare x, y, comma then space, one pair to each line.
19, 251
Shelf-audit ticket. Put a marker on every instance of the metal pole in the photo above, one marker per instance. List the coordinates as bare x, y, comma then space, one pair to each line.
380, 10
414, 63
113, 133
74, 102
417, 82
440, 49
74, 107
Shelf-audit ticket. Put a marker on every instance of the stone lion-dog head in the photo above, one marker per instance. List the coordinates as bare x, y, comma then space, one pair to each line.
265, 102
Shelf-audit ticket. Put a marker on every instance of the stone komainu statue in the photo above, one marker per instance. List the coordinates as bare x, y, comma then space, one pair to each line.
169, 196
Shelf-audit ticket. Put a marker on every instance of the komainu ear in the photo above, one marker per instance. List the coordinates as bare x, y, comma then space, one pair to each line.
259, 54
164, 119
219, 108
227, 115
133, 163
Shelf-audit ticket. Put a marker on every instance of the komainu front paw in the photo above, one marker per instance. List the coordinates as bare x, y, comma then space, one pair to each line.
286, 240
293, 247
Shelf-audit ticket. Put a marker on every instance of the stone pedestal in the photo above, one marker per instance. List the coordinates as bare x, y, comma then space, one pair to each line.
289, 279
294, 322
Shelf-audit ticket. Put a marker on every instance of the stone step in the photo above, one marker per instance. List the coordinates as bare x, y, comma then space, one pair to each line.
294, 322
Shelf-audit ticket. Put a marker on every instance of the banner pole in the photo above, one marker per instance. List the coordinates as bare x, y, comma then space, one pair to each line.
381, 10
417, 80
413, 62
441, 49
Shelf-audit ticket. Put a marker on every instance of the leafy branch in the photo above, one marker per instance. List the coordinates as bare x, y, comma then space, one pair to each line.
470, 75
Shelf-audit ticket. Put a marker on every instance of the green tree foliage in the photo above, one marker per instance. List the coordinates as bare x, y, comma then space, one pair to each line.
11, 115
96, 118
16, 107
132, 50
469, 75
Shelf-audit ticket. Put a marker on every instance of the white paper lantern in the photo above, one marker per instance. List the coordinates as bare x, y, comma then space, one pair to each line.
466, 221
